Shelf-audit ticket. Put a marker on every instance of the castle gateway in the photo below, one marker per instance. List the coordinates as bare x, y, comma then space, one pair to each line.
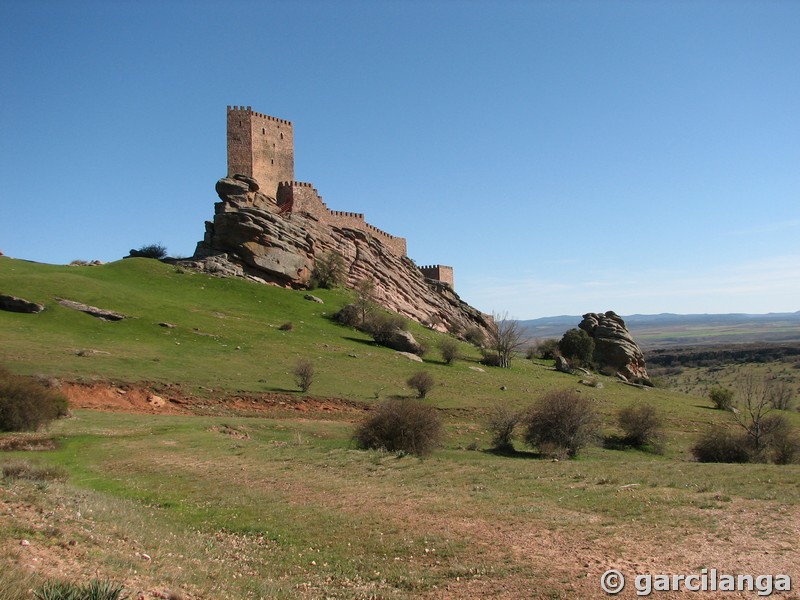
262, 147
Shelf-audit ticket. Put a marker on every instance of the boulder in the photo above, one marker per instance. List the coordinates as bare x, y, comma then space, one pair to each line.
562, 365
312, 298
614, 347
19, 305
402, 341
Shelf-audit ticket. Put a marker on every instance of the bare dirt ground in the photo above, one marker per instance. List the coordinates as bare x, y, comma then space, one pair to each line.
756, 537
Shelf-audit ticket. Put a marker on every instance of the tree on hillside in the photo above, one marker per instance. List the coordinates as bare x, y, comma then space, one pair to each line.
366, 303
505, 337
577, 346
329, 270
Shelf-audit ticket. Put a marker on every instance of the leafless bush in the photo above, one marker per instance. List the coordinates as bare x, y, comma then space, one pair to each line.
304, 374
506, 336
422, 382
642, 426
401, 425
561, 423
449, 349
719, 445
288, 326
26, 404
781, 396
502, 422
475, 336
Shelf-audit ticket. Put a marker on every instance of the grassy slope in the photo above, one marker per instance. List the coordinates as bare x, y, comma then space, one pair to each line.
298, 511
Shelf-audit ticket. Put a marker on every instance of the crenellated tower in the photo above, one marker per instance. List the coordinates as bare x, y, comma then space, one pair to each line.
260, 146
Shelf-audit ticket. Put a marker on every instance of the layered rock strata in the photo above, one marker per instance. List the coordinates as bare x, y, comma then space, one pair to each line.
251, 235
615, 350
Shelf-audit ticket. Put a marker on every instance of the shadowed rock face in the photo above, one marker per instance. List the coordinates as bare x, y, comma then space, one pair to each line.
614, 347
264, 242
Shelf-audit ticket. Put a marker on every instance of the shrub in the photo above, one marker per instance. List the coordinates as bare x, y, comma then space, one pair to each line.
288, 326
561, 423
718, 445
422, 382
546, 349
780, 395
577, 346
94, 590
329, 270
401, 425
449, 349
25, 470
490, 358
501, 424
642, 426
26, 404
721, 397
349, 315
381, 326
784, 444
304, 374
475, 336
157, 251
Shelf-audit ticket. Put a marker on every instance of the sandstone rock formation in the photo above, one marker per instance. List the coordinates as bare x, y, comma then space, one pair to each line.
615, 350
251, 235
100, 313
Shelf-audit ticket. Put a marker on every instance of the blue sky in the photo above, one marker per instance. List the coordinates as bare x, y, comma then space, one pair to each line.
563, 157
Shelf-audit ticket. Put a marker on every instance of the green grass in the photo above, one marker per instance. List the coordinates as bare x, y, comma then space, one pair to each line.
292, 509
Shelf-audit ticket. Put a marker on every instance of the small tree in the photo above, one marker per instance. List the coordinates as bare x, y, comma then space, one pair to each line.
422, 382
505, 337
365, 303
577, 346
781, 396
753, 404
329, 270
449, 349
304, 374
401, 425
561, 423
721, 397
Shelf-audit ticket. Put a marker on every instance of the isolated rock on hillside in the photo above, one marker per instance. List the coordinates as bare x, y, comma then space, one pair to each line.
20, 305
263, 241
614, 347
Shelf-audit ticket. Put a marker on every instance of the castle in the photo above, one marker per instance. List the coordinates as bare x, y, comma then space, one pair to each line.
262, 147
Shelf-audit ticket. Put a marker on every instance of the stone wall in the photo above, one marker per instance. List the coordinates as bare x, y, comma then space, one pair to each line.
302, 198
439, 273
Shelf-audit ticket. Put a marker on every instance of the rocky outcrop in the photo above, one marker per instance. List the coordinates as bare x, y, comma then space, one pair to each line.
263, 241
19, 305
615, 351
100, 313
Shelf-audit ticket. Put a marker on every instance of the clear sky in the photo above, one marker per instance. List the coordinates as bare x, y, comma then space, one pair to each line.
563, 157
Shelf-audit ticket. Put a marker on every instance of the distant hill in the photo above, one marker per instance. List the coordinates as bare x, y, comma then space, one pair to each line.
668, 329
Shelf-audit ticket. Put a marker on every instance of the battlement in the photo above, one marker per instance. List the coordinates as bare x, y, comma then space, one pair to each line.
441, 273
342, 213
249, 110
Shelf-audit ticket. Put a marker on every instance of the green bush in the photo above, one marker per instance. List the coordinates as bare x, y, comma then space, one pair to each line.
721, 397
26, 404
560, 423
94, 590
401, 426
577, 346
475, 336
382, 326
329, 271
545, 349
642, 426
157, 251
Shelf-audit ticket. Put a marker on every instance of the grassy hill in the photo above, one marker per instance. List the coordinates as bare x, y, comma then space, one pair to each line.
283, 506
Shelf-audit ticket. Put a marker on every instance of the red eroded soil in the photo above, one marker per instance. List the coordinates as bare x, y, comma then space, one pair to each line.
147, 399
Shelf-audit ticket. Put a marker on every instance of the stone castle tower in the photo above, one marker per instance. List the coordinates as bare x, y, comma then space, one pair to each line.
261, 147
